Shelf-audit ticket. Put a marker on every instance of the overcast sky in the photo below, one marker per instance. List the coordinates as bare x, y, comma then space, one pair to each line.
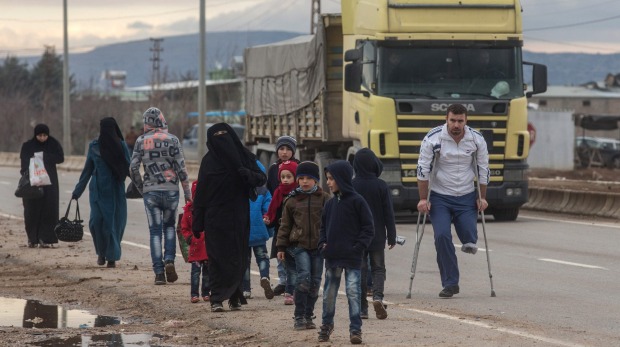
27, 26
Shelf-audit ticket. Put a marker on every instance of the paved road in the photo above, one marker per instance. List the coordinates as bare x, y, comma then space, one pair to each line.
555, 278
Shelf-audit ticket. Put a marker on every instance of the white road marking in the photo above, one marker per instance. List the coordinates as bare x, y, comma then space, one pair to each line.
6, 183
500, 329
572, 264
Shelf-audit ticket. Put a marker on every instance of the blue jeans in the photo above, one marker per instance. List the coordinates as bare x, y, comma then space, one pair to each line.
309, 267
445, 210
291, 273
161, 210
374, 269
281, 273
330, 293
262, 260
198, 269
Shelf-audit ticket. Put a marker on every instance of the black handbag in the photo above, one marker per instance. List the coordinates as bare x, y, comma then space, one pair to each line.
26, 191
132, 192
70, 230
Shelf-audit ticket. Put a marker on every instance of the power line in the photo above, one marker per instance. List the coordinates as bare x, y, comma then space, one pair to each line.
574, 24
611, 50
193, 9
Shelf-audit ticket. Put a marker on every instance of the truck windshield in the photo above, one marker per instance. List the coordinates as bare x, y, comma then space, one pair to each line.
449, 72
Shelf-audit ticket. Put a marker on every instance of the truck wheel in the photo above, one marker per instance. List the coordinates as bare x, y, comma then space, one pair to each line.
506, 214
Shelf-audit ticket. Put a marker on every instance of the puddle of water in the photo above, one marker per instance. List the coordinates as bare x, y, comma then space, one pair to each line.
116, 340
34, 314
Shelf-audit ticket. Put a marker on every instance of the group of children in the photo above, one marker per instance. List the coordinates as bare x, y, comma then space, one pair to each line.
313, 230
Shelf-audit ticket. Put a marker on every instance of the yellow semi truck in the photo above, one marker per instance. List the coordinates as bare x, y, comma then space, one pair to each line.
381, 75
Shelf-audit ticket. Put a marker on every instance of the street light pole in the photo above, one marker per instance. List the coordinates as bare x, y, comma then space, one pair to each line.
66, 97
202, 92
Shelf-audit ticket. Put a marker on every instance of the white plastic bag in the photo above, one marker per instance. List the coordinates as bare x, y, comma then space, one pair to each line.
38, 174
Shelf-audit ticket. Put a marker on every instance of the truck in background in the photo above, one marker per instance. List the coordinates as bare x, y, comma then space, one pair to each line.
382, 74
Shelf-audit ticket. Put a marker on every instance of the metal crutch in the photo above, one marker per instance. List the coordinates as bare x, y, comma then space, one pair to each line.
418, 235
484, 232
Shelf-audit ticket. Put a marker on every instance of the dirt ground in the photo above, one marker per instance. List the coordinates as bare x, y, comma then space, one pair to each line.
68, 276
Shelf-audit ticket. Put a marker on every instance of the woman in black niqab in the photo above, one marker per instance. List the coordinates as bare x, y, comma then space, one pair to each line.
227, 180
112, 152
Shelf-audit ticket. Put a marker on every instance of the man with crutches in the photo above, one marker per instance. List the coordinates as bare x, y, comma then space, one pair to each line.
453, 197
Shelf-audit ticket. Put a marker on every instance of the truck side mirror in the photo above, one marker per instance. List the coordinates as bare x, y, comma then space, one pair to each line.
353, 55
539, 79
353, 77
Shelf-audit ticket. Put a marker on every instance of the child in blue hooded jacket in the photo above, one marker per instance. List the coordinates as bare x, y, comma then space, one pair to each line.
259, 235
346, 232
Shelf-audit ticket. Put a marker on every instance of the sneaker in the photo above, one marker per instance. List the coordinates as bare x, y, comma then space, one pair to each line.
448, 292
356, 337
247, 295
206, 298
309, 323
469, 248
171, 273
364, 315
289, 299
100, 260
300, 323
379, 309
160, 279
32, 245
325, 332
45, 245
264, 282
194, 299
369, 292
279, 289
234, 305
111, 263
217, 307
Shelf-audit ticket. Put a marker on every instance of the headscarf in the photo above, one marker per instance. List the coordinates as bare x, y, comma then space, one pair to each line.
282, 190
41, 129
111, 148
154, 120
223, 143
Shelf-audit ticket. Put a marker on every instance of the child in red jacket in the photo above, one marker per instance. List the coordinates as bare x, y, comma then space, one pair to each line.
197, 253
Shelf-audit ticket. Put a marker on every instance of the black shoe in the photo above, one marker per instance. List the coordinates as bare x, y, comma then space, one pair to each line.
356, 337
32, 245
171, 274
100, 260
111, 263
309, 323
216, 306
300, 323
264, 282
160, 279
45, 245
364, 315
325, 332
379, 309
234, 305
279, 289
448, 292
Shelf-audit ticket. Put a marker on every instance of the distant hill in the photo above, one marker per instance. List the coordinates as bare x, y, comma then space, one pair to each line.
180, 57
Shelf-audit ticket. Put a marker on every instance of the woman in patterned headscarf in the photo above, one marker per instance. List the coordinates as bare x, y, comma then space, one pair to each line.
227, 180
41, 215
106, 167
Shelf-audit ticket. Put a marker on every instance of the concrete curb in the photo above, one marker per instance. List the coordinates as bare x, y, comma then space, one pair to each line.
76, 163
574, 202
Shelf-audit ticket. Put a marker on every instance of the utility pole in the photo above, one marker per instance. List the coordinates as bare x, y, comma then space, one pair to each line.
315, 16
66, 100
202, 90
156, 59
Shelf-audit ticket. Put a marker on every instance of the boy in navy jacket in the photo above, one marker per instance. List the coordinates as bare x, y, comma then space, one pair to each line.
376, 192
346, 231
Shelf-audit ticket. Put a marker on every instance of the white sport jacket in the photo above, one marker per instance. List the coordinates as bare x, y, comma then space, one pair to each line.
454, 174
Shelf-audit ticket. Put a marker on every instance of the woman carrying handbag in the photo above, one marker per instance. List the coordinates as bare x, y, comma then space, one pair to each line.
106, 167
41, 214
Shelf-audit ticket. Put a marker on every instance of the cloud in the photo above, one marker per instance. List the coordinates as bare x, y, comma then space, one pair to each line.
139, 26
184, 26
